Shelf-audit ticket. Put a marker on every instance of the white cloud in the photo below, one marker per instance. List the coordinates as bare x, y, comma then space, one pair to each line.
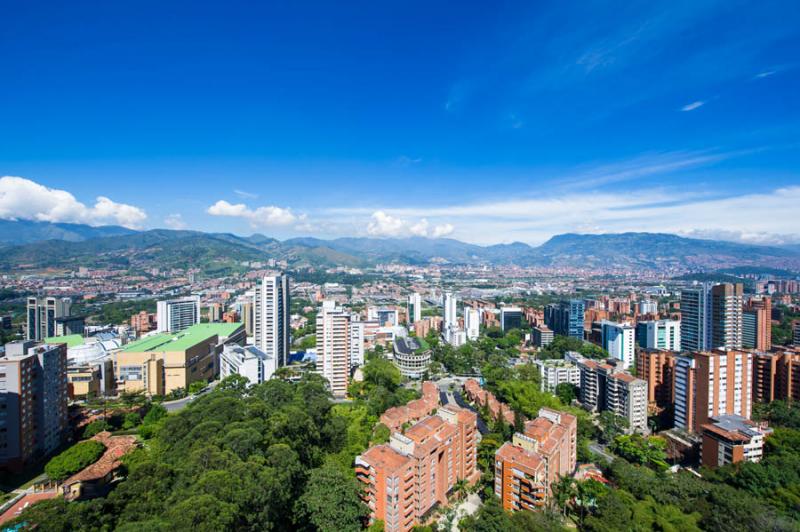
175, 221
383, 224
24, 199
692, 106
259, 217
442, 230
766, 74
244, 194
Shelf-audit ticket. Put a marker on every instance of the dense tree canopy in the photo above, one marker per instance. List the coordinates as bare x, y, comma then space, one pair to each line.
74, 459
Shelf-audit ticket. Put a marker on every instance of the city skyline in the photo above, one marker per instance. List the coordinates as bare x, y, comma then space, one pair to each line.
496, 124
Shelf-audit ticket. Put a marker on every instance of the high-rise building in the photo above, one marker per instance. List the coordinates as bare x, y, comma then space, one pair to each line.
711, 317
42, 313
776, 376
450, 316
659, 334
796, 328
712, 383
605, 387
527, 467
566, 318
248, 361
175, 315
356, 341
619, 340
271, 329
416, 470
472, 323
510, 318
333, 347
657, 368
414, 308
33, 405
757, 324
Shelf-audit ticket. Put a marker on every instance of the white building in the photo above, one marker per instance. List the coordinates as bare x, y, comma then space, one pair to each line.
450, 316
174, 315
385, 316
619, 340
333, 347
555, 372
271, 317
356, 341
414, 308
661, 334
648, 306
249, 362
472, 323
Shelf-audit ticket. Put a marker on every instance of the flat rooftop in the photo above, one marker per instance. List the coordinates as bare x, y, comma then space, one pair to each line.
71, 340
180, 341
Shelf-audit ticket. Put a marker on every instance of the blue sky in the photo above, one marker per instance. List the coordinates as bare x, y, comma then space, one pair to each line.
483, 121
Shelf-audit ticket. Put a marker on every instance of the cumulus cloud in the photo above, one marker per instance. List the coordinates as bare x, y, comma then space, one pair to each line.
23, 199
692, 106
383, 224
258, 217
175, 221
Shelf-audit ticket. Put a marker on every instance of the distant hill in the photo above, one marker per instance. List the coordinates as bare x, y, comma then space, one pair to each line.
74, 245
26, 231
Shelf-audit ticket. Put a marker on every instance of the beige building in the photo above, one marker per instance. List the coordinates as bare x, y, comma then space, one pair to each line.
165, 362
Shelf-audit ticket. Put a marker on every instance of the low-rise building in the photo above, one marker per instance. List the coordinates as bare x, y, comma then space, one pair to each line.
729, 439
412, 356
415, 410
248, 361
557, 371
542, 336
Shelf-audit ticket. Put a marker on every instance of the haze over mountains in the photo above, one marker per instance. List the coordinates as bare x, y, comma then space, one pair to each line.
30, 245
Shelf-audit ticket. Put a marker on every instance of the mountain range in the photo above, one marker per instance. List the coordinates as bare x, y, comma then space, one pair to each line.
35, 245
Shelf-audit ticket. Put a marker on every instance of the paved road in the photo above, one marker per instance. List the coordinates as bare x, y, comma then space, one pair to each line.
180, 404
601, 451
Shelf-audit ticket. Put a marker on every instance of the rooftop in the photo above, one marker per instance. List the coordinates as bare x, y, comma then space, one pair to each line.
71, 340
183, 340
410, 345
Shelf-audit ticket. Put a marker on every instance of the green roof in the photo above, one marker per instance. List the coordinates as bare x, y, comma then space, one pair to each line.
71, 340
183, 340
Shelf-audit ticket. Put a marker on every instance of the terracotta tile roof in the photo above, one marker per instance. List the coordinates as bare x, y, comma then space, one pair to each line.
116, 448
519, 457
384, 457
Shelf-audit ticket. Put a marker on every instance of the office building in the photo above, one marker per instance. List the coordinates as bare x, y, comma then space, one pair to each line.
248, 361
333, 347
166, 362
472, 323
554, 372
542, 336
42, 313
757, 324
711, 317
619, 340
404, 479
730, 439
510, 318
385, 316
528, 466
175, 315
414, 308
659, 334
271, 329
566, 318
657, 368
33, 405
68, 325
92, 379
605, 387
412, 356
712, 383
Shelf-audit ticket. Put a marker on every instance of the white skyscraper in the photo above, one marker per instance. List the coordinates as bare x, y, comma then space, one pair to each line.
333, 347
356, 341
176, 315
450, 316
619, 341
271, 327
472, 322
414, 308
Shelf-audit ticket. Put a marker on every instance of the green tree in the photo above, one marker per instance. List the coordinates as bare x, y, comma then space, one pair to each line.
332, 502
95, 427
74, 459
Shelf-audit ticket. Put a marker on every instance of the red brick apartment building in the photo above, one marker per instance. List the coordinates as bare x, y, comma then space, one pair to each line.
397, 416
526, 468
404, 479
